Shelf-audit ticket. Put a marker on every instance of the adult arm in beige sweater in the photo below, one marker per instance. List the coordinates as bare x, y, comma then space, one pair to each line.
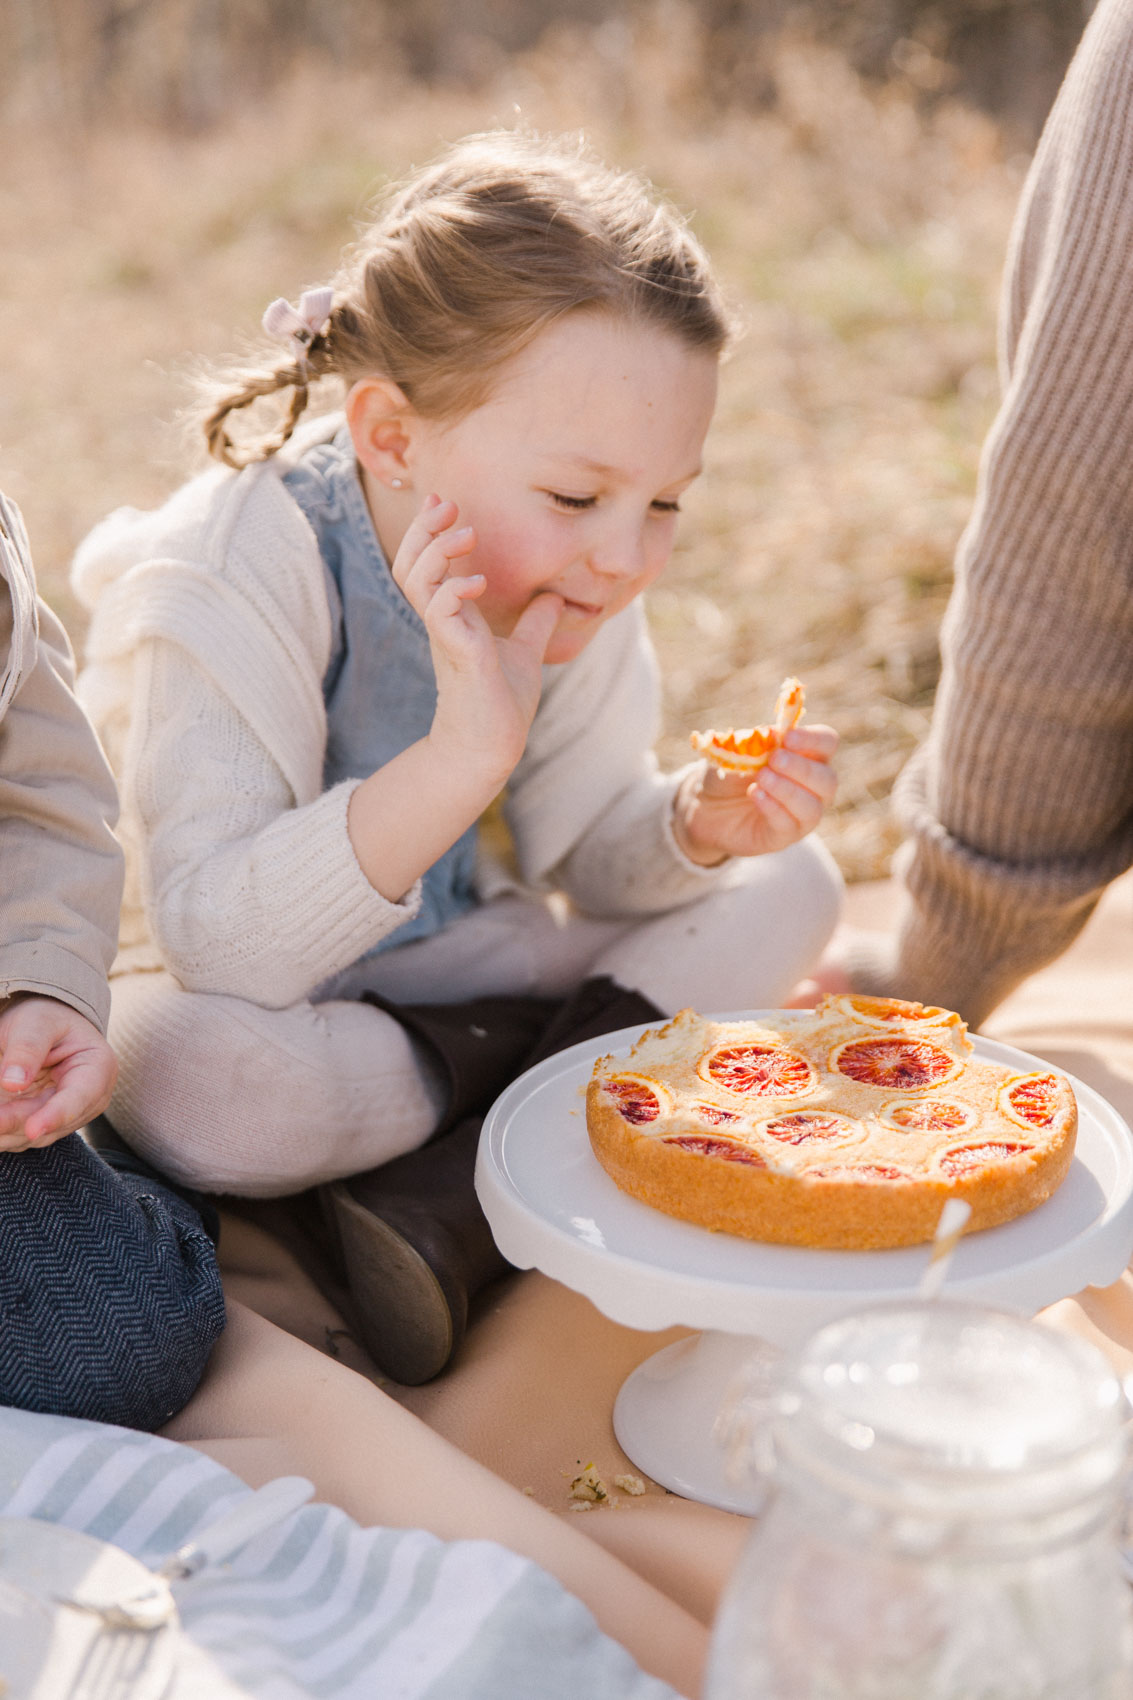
61, 865
62, 872
1019, 808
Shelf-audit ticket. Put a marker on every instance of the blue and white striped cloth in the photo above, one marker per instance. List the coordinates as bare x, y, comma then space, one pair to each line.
316, 1605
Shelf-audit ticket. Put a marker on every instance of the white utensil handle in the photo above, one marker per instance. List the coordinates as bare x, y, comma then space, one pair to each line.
261, 1510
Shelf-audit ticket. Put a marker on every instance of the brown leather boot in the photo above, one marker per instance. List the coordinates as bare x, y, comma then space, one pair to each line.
415, 1244
416, 1247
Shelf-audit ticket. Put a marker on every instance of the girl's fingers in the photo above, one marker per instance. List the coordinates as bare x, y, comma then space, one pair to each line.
535, 626
433, 516
775, 813
819, 742
433, 522
451, 617
802, 805
812, 775
449, 596
432, 565
717, 785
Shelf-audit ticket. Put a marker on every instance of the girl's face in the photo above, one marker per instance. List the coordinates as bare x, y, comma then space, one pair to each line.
570, 473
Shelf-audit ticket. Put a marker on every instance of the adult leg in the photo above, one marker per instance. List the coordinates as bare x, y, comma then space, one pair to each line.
110, 1295
269, 1405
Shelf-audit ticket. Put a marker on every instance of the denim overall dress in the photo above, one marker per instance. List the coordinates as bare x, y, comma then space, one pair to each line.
379, 686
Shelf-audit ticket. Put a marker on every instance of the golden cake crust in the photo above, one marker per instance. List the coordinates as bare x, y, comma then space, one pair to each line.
848, 1127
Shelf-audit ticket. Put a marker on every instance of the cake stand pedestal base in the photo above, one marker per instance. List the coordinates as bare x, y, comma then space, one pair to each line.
673, 1414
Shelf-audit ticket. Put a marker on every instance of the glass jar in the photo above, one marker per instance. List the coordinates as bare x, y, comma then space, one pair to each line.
946, 1490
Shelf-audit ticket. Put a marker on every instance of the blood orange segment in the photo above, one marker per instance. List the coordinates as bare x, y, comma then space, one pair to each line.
897, 1065
758, 1071
930, 1115
801, 1126
636, 1100
1035, 1099
966, 1158
859, 1172
713, 1114
894, 1009
705, 1146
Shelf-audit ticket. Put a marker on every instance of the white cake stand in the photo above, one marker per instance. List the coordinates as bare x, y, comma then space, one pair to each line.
552, 1206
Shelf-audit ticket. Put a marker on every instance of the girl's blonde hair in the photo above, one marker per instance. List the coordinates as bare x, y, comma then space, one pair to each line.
469, 261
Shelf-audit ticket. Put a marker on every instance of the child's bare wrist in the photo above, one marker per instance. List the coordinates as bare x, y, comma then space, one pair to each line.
685, 804
469, 766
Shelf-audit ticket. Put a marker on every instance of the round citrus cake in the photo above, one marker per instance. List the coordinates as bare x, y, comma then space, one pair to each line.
847, 1127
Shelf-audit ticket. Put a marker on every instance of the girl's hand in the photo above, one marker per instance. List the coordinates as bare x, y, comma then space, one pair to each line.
487, 687
56, 1072
716, 815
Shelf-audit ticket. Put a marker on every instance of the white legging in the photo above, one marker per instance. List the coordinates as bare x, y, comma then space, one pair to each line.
230, 1096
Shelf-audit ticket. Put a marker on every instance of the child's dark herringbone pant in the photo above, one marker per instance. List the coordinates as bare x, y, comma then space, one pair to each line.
110, 1297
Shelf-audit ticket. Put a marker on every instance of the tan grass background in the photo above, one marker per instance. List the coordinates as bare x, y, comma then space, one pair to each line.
860, 231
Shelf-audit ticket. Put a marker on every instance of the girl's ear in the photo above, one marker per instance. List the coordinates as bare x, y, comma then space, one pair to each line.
379, 416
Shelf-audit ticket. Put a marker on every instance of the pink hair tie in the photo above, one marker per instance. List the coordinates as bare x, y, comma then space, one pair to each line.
299, 326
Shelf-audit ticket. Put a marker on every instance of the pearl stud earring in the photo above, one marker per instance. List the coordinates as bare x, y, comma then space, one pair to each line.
396, 482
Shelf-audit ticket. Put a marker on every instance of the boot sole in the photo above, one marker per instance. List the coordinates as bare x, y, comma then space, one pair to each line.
403, 1315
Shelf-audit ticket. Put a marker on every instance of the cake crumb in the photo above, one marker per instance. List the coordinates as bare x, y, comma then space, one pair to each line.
530, 1492
588, 1486
630, 1484
581, 1505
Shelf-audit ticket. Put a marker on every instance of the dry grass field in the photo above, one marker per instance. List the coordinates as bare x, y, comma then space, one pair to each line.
861, 238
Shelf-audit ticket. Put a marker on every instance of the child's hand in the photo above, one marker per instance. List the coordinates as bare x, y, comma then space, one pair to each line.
716, 815
487, 686
56, 1072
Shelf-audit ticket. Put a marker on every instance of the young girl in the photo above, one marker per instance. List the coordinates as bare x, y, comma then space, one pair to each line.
315, 674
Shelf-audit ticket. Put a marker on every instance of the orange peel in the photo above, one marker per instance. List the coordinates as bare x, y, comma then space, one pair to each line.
748, 749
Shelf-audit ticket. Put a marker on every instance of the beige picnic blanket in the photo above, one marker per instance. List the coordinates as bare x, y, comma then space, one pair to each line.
531, 1394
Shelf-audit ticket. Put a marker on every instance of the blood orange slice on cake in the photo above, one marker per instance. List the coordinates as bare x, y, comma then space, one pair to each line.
636, 1100
930, 1115
884, 1012
800, 1127
1035, 1100
968, 1159
867, 1173
758, 1071
705, 1146
896, 1064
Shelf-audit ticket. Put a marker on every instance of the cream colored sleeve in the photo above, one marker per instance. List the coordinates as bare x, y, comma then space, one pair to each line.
1020, 807
590, 811
245, 893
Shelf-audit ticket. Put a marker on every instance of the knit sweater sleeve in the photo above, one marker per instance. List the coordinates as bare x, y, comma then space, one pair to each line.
245, 893
589, 809
1020, 807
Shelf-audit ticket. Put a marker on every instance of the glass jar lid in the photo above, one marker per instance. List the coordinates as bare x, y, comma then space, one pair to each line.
943, 1401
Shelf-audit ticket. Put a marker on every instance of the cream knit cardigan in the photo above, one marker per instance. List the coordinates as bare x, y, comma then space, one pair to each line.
1020, 807
209, 637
